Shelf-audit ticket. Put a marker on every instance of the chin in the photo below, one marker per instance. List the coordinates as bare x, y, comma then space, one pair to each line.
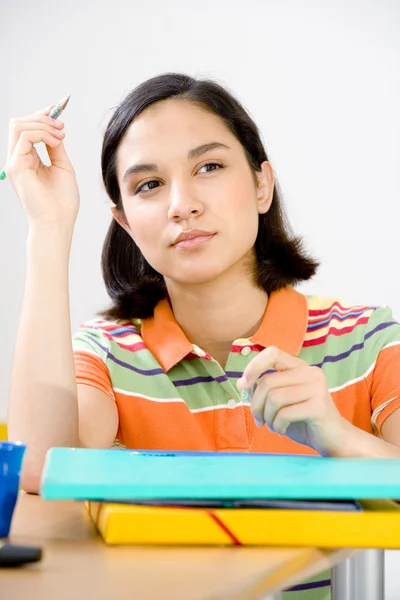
194, 275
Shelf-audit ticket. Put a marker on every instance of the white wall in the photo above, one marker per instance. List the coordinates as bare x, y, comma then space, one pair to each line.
320, 79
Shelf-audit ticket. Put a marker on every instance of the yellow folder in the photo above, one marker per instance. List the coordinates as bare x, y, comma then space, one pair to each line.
377, 526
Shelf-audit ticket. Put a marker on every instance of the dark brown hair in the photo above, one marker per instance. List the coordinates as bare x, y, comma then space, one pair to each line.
132, 284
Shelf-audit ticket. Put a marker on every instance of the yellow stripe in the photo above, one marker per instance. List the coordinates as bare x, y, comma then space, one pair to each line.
3, 431
321, 302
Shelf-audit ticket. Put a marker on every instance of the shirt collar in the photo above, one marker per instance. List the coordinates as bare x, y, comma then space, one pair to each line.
285, 321
284, 325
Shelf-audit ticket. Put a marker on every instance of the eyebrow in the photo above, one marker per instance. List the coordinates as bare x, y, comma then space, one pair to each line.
194, 153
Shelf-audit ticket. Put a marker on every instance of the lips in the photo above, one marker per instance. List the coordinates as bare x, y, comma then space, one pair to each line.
189, 235
193, 240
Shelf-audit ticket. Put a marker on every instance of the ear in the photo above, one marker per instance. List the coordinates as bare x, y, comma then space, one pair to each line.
265, 187
120, 220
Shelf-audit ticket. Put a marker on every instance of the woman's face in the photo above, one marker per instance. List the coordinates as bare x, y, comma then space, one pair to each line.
181, 170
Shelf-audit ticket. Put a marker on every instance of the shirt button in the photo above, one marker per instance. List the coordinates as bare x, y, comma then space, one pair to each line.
231, 402
245, 351
198, 351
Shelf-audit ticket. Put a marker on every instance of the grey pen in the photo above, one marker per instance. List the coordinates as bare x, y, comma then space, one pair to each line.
55, 113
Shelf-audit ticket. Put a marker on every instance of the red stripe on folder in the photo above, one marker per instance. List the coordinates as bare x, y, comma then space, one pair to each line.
216, 519
223, 526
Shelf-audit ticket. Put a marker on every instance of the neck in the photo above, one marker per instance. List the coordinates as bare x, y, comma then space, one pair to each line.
213, 314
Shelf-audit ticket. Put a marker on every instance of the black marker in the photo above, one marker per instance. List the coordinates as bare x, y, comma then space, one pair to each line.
15, 556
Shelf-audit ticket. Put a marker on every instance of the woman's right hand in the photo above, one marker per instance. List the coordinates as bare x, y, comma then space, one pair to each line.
49, 194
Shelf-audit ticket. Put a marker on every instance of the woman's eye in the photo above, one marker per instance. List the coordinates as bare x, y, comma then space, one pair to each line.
211, 169
150, 185
154, 184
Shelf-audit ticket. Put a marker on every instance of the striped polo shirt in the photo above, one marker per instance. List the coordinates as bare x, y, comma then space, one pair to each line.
171, 394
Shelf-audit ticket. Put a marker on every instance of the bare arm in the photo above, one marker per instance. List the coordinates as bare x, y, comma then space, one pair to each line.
44, 410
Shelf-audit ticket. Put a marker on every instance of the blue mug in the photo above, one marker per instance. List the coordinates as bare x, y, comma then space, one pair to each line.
11, 456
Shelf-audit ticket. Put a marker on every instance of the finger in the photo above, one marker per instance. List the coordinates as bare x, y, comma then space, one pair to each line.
288, 415
36, 118
46, 110
297, 376
270, 385
40, 163
275, 380
269, 358
283, 397
17, 126
28, 138
58, 157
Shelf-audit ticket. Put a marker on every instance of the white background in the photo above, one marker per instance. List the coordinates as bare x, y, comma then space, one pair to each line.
321, 80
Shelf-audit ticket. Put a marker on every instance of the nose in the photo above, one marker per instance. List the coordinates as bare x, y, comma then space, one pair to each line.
183, 204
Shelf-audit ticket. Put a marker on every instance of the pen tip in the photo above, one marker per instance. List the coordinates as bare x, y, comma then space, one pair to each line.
64, 102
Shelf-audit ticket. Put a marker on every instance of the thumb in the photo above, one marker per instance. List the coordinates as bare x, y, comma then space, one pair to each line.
242, 383
45, 111
58, 157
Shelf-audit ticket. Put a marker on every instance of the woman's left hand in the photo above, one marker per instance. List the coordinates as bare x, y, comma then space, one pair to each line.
294, 401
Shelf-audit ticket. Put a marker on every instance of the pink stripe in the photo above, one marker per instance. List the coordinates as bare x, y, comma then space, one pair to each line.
335, 305
335, 332
360, 321
135, 347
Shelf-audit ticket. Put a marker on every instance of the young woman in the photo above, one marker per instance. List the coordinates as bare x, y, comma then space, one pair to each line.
206, 345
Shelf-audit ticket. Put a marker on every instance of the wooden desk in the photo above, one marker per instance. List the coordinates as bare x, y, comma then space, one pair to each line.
77, 564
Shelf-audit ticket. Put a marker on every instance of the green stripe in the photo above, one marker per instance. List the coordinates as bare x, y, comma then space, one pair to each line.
359, 361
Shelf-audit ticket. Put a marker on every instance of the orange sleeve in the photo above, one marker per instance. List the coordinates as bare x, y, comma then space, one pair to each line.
385, 387
91, 349
380, 364
91, 370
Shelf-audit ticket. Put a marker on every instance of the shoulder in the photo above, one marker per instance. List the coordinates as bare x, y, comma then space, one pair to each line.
111, 328
324, 310
103, 334
331, 316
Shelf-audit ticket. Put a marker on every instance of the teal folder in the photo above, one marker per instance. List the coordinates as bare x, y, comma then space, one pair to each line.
86, 474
